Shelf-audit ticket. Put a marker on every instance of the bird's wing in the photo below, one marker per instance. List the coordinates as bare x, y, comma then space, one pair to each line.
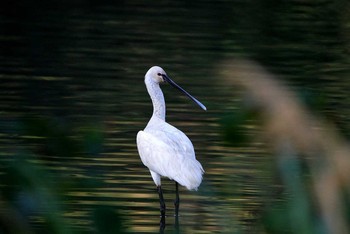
170, 153
176, 139
157, 155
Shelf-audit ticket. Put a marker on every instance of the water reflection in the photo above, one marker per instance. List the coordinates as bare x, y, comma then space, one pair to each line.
162, 225
79, 70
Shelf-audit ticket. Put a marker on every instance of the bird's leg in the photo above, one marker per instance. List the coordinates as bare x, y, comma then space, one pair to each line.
161, 201
177, 199
177, 229
162, 224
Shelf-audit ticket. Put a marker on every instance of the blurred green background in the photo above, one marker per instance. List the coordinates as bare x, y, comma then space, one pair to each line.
73, 99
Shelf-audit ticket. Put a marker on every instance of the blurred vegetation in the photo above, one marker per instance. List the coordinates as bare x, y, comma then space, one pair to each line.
235, 126
312, 158
32, 197
46, 45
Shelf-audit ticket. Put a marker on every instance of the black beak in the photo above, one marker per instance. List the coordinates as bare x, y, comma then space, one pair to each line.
172, 83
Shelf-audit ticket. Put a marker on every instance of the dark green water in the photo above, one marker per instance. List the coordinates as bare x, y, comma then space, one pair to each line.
78, 67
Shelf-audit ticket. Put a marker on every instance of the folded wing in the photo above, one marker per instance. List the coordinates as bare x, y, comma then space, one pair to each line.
170, 153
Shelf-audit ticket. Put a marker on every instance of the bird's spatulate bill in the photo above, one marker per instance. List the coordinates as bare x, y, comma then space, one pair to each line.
172, 83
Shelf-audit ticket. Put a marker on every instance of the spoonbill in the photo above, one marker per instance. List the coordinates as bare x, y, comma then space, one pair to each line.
164, 149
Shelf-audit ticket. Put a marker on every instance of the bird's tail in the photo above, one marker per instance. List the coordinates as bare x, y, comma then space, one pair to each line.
190, 174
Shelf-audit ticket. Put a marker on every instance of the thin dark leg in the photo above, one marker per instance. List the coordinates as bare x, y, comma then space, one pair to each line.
162, 224
161, 201
177, 229
177, 200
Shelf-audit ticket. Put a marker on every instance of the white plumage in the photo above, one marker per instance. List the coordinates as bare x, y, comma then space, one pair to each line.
168, 152
164, 149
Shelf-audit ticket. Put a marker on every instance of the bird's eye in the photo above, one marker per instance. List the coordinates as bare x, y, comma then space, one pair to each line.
159, 74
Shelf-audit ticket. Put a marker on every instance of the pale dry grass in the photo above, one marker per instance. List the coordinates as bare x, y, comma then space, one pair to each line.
286, 121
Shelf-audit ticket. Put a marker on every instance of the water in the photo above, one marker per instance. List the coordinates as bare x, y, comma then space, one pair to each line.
81, 66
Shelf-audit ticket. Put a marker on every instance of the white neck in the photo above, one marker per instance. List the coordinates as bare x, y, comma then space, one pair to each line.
157, 97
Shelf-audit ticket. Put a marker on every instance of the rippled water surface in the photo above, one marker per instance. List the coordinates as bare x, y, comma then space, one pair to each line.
81, 65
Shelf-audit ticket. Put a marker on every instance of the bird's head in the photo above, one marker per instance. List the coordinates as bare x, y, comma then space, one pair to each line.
157, 74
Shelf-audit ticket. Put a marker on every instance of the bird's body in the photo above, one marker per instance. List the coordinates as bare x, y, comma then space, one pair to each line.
164, 149
168, 152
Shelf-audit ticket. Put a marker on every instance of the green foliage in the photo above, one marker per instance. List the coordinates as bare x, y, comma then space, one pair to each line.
108, 221
52, 137
34, 195
30, 193
235, 126
294, 212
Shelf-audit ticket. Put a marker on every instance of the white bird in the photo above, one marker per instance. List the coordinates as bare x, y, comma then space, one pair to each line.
164, 149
